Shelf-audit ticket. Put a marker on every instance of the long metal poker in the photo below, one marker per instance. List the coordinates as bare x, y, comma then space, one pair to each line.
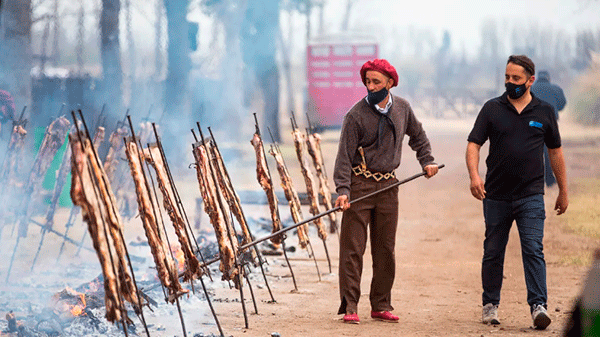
335, 209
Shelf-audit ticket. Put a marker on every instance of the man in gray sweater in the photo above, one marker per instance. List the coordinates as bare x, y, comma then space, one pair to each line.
369, 152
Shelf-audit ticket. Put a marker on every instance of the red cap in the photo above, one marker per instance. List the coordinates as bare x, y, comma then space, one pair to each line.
382, 66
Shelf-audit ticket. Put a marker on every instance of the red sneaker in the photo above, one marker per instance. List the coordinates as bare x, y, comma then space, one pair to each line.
384, 316
351, 318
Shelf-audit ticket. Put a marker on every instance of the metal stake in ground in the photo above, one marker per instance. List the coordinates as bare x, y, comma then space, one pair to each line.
205, 264
178, 202
97, 158
70, 222
21, 122
61, 235
243, 216
283, 237
164, 227
228, 225
314, 150
61, 177
142, 160
313, 197
292, 197
53, 139
85, 233
97, 193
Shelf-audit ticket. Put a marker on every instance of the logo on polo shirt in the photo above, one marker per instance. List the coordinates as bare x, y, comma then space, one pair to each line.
535, 124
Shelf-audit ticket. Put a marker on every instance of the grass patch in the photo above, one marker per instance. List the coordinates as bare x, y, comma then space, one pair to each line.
586, 97
581, 259
583, 215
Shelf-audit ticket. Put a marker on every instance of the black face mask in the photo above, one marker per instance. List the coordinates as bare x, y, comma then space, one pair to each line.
377, 96
515, 91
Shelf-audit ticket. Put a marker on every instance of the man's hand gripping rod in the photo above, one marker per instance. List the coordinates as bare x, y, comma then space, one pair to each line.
335, 209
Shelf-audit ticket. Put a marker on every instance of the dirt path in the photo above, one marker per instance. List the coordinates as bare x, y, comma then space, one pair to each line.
437, 291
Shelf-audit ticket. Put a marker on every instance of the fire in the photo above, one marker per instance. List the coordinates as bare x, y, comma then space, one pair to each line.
77, 310
179, 257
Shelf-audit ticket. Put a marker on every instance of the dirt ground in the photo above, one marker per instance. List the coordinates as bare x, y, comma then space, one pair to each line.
439, 245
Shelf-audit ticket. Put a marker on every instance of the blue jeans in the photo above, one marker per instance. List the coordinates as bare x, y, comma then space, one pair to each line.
499, 215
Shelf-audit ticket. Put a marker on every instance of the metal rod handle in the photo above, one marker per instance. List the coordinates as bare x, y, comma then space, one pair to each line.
337, 208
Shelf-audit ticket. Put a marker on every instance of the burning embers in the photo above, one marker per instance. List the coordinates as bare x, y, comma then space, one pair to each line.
179, 257
70, 302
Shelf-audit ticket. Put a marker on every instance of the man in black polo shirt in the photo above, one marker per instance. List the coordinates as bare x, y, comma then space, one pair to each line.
517, 125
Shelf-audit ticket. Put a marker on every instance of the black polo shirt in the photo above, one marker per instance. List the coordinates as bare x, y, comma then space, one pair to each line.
515, 164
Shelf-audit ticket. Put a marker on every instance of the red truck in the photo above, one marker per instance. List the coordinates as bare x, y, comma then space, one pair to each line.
334, 83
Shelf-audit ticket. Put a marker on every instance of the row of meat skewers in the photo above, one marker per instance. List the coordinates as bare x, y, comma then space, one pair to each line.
91, 190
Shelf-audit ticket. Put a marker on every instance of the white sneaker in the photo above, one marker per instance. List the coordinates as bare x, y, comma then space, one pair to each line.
490, 314
541, 320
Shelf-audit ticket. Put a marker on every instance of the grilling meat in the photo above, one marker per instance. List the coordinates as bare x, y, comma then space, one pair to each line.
313, 198
128, 288
83, 194
118, 174
210, 196
264, 179
99, 137
92, 192
233, 200
10, 172
153, 156
165, 266
313, 144
53, 140
61, 176
291, 195
115, 152
14, 159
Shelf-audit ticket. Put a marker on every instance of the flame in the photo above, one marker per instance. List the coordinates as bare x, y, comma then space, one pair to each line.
77, 310
179, 257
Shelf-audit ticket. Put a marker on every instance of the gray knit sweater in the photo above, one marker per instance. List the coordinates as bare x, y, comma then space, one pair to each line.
360, 129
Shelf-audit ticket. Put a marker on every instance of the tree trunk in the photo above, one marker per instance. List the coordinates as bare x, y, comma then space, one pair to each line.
346, 20
232, 71
15, 48
178, 59
286, 51
111, 58
259, 48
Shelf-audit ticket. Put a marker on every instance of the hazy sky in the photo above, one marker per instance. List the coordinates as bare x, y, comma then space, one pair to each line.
463, 18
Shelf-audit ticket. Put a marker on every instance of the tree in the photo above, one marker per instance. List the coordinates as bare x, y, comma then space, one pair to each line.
260, 26
178, 59
110, 50
231, 14
585, 44
489, 52
348, 11
15, 48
